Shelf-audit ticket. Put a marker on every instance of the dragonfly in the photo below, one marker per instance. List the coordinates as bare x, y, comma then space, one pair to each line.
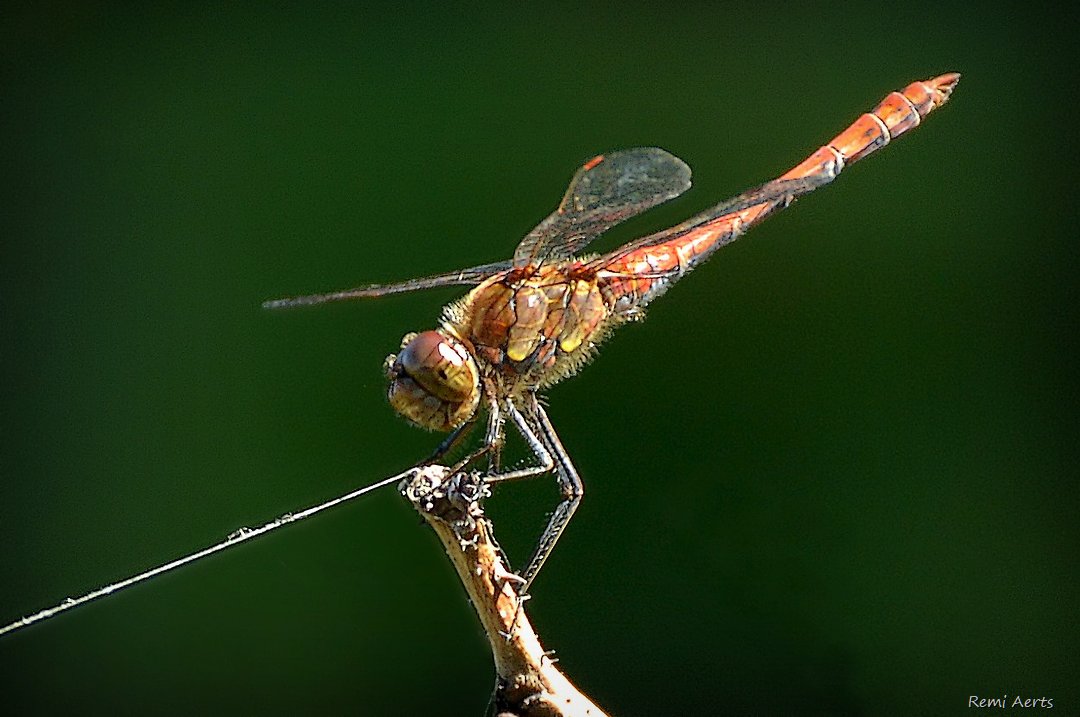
538, 318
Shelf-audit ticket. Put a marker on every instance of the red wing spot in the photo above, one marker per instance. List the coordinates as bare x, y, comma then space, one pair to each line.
593, 162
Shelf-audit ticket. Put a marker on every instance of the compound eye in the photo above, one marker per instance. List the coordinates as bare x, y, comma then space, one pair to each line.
441, 366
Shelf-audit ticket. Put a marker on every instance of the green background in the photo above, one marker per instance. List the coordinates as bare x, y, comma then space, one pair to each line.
833, 473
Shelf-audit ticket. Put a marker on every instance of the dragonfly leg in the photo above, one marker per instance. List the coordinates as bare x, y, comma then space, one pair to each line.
451, 442
570, 486
495, 437
545, 464
536, 429
492, 447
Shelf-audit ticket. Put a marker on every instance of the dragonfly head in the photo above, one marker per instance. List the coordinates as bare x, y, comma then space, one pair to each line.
434, 381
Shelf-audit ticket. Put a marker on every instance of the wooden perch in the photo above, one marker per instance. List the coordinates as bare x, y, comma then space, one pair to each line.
528, 684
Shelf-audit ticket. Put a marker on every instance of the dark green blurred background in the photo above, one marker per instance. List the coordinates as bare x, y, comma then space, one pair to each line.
834, 473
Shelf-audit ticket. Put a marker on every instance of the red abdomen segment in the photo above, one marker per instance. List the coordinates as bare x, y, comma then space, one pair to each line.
894, 115
634, 278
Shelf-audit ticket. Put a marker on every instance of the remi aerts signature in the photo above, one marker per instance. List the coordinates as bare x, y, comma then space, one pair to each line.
1004, 702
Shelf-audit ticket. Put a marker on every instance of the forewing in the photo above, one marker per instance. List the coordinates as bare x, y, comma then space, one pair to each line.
607, 190
464, 277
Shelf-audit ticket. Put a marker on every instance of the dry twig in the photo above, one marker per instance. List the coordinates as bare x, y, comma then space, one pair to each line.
528, 684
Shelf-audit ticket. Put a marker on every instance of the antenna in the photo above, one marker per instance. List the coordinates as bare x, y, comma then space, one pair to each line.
235, 538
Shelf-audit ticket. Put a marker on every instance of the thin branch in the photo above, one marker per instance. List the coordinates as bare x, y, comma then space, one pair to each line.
235, 538
528, 684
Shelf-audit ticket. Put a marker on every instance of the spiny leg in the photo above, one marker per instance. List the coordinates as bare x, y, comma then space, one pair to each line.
451, 442
493, 441
495, 437
536, 429
570, 486
545, 465
491, 447
545, 462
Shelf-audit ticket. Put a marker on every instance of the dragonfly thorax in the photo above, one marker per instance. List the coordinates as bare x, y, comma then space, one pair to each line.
434, 381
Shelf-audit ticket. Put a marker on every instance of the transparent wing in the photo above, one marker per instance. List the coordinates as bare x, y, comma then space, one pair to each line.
607, 190
464, 277
779, 192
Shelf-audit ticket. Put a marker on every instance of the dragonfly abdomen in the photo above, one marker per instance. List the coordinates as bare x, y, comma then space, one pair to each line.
636, 277
894, 115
